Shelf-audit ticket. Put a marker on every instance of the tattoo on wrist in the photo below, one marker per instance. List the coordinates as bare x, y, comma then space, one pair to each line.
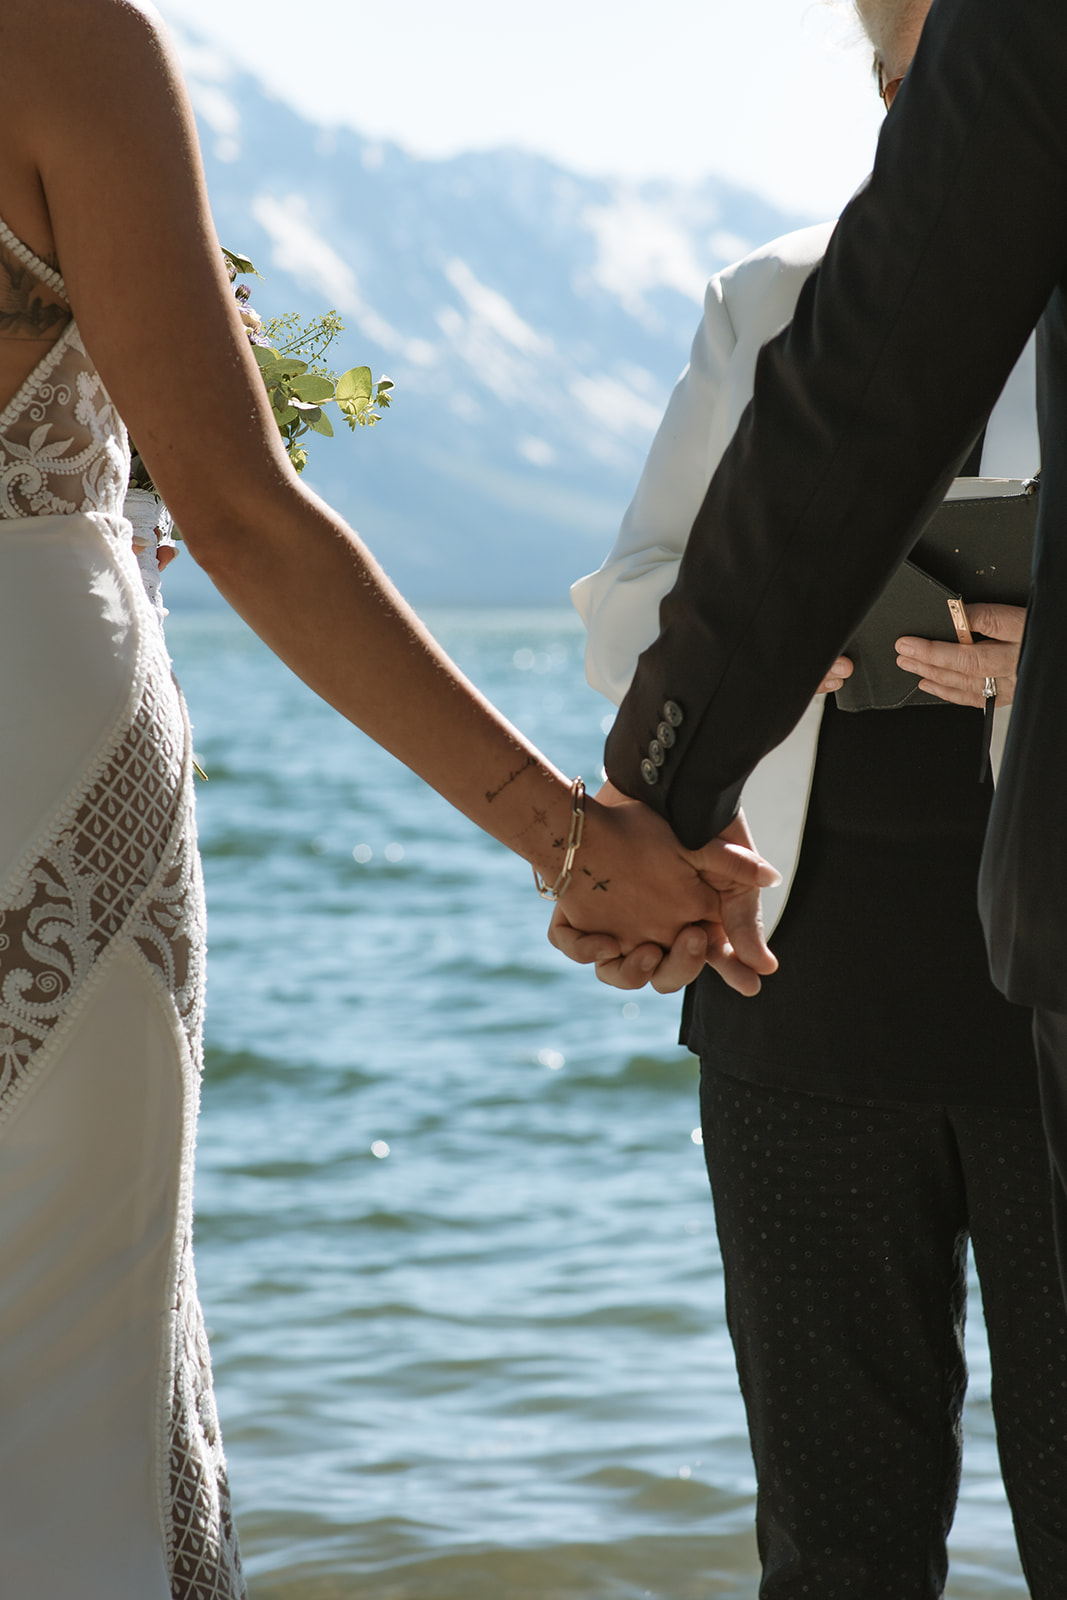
493, 794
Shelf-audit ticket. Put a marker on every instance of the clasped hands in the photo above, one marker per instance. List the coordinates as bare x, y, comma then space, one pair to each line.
646, 910
664, 912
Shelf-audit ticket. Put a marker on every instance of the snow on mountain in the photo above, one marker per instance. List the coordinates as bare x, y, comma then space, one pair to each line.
533, 321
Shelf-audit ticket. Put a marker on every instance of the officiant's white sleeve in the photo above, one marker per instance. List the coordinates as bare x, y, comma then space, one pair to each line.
745, 305
620, 604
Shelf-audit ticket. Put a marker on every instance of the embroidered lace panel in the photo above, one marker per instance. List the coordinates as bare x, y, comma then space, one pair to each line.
63, 446
62, 443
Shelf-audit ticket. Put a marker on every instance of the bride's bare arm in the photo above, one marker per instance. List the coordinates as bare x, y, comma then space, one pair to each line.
99, 164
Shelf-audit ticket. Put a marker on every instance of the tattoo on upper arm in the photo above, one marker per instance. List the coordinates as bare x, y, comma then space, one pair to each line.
27, 309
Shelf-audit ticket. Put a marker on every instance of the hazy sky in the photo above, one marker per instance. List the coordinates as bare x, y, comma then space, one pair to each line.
775, 95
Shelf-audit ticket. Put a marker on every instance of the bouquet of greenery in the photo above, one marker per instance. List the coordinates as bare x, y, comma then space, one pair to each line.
290, 354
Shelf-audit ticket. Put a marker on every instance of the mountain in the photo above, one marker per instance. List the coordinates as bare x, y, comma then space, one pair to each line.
533, 321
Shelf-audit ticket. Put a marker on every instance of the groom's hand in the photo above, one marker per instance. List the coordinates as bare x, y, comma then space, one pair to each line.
674, 911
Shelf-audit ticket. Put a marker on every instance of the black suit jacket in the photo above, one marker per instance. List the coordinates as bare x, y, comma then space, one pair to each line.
864, 409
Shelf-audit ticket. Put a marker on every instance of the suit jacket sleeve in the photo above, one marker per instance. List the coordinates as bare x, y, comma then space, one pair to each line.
864, 407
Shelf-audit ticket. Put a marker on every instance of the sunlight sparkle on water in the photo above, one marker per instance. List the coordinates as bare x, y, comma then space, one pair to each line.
380, 1149
552, 1059
362, 853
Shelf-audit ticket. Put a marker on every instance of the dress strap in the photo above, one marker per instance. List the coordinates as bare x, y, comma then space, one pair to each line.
40, 269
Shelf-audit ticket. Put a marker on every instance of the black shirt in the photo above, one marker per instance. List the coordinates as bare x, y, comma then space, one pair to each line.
883, 990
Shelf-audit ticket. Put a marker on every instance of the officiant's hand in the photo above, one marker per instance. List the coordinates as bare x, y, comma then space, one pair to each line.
841, 669
958, 672
726, 933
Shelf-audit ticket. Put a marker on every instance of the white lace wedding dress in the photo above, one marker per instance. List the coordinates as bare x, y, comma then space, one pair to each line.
112, 1481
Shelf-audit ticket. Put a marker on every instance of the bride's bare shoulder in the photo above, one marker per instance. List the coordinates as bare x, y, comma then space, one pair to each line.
45, 44
56, 22
90, 89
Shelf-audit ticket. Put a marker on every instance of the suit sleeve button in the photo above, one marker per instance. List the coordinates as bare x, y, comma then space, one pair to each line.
673, 713
649, 772
666, 735
656, 753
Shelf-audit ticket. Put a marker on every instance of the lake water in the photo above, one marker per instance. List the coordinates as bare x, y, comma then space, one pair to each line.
455, 1242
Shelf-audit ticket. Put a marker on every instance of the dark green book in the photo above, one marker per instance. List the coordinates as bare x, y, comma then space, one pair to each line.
978, 545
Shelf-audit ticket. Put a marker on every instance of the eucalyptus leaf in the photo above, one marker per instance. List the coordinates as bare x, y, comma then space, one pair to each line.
288, 366
265, 354
322, 424
310, 387
284, 418
241, 264
355, 384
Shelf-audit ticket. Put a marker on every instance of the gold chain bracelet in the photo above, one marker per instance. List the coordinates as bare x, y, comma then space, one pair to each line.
557, 890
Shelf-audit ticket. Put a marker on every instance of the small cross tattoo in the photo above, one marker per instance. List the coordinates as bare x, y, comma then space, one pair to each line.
541, 818
601, 884
557, 844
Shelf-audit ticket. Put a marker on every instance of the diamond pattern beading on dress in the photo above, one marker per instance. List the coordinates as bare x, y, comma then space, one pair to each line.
203, 1556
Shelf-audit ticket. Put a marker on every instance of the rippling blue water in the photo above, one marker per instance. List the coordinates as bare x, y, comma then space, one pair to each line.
489, 1361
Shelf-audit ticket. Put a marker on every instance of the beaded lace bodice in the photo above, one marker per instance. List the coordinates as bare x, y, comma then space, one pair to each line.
63, 447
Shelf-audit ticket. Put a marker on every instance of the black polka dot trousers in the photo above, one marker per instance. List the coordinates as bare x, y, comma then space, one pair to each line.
843, 1229
1050, 1044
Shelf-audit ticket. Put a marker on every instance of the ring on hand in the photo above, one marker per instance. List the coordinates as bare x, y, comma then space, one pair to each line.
990, 690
